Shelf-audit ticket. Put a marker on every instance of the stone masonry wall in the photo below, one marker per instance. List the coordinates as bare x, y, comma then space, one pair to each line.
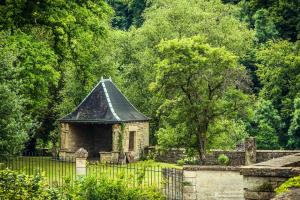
212, 182
141, 138
261, 179
237, 158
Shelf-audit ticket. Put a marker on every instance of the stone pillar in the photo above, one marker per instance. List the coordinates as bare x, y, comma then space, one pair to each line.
81, 157
189, 185
250, 151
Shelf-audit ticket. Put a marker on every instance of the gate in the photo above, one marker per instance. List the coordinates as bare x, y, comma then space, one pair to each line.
173, 183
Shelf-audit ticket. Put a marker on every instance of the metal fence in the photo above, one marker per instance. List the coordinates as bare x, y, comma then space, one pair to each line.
57, 171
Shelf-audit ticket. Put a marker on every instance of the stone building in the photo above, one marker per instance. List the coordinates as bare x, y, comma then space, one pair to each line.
105, 123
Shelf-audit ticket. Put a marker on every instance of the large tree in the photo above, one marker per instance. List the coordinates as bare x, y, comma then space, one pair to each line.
279, 74
204, 82
166, 19
71, 33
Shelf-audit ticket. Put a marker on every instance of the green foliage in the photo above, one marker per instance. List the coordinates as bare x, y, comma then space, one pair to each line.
203, 81
19, 186
181, 162
290, 183
264, 26
14, 125
51, 52
93, 189
128, 13
284, 14
225, 133
223, 159
279, 72
294, 129
15, 186
267, 124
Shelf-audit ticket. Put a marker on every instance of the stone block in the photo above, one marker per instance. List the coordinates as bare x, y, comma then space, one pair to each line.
258, 195
189, 189
189, 196
189, 174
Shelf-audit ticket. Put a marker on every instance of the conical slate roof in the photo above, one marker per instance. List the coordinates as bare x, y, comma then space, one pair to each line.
105, 104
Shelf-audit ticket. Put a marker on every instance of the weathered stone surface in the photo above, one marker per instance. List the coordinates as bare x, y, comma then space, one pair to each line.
213, 184
250, 151
258, 195
105, 157
292, 194
106, 138
211, 168
189, 196
81, 153
236, 158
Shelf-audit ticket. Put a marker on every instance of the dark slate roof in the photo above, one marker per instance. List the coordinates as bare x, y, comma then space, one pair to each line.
105, 104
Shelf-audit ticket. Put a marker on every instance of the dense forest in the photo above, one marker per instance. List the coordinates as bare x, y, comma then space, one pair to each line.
207, 72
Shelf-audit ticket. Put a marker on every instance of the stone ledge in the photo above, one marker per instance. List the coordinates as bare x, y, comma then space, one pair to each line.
210, 168
261, 171
258, 195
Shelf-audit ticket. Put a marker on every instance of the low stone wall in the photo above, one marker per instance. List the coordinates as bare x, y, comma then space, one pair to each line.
264, 155
261, 179
237, 158
212, 182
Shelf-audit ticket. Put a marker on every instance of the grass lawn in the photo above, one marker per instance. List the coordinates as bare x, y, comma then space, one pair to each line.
56, 172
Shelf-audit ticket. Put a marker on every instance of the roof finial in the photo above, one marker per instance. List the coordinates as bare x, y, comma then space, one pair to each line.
110, 78
101, 78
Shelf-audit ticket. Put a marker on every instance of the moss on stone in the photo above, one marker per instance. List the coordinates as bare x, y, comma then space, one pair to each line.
290, 183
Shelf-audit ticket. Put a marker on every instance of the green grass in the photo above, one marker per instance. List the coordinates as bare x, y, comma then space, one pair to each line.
56, 172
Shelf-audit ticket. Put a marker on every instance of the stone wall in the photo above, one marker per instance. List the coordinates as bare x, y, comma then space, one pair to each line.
261, 179
94, 138
237, 158
141, 139
103, 138
212, 183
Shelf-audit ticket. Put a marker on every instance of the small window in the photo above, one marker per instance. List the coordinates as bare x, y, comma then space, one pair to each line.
131, 140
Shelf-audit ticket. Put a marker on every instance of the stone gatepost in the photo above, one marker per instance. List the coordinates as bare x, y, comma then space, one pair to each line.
81, 161
250, 151
189, 184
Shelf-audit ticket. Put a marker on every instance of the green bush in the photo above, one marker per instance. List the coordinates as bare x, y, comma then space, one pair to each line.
180, 162
223, 159
106, 189
290, 183
18, 186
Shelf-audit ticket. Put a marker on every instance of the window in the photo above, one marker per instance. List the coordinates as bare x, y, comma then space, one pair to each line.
131, 140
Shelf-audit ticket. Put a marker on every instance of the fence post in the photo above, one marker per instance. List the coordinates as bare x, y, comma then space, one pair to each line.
189, 184
81, 158
250, 151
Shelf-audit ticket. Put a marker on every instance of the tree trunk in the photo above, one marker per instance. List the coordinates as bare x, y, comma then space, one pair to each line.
201, 139
201, 147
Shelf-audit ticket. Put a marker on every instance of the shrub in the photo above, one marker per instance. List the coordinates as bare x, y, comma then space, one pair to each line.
92, 188
18, 186
180, 162
290, 183
223, 159
14, 185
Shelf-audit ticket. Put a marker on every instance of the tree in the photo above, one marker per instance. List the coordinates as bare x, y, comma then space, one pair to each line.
294, 129
264, 26
164, 20
284, 14
267, 125
279, 73
71, 34
14, 125
204, 82
128, 13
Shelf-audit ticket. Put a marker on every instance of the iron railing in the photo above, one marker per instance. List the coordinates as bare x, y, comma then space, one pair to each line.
56, 171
